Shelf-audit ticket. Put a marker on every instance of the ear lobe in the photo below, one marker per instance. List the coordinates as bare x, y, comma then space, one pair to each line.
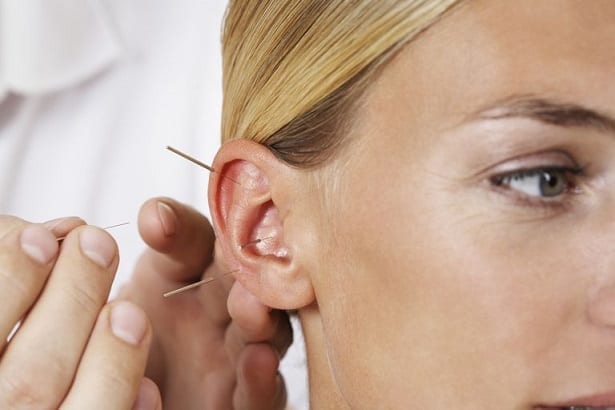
249, 220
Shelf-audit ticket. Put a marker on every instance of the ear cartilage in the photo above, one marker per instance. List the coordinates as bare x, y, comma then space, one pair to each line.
196, 284
106, 228
197, 162
254, 242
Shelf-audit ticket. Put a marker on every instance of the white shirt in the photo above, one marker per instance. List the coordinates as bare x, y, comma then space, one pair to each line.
91, 92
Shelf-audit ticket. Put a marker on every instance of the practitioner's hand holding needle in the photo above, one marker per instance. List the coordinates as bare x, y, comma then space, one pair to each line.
202, 356
72, 350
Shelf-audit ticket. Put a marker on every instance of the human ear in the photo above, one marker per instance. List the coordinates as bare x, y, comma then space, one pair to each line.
250, 198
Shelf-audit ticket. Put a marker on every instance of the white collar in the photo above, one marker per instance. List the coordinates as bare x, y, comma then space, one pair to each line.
48, 45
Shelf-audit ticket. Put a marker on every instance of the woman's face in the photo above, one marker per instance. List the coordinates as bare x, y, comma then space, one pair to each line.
471, 263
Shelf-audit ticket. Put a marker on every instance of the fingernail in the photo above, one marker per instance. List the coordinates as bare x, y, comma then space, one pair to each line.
53, 223
147, 398
128, 322
97, 246
168, 219
56, 223
39, 244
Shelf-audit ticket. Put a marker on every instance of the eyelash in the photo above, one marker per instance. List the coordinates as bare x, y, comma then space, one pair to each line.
571, 175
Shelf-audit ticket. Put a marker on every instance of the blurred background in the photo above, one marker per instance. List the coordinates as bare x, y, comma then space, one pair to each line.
91, 92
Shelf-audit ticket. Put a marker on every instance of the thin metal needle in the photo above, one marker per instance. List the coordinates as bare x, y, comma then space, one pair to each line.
196, 284
207, 280
255, 242
191, 159
116, 225
105, 228
199, 163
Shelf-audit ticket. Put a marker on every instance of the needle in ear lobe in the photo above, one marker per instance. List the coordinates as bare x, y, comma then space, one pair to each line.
199, 163
196, 284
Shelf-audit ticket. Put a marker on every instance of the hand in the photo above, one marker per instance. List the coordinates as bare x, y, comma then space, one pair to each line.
202, 356
72, 350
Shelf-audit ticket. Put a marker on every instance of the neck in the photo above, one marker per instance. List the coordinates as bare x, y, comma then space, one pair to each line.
324, 393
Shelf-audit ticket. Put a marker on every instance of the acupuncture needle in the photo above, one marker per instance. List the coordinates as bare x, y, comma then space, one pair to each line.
197, 284
255, 242
208, 280
106, 228
251, 243
198, 162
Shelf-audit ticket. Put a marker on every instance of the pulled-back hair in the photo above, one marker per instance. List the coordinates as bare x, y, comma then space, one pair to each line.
295, 69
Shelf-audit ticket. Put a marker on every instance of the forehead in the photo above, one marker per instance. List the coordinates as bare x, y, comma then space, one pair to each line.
487, 50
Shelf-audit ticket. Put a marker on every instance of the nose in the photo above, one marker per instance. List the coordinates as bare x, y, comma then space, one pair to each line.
601, 309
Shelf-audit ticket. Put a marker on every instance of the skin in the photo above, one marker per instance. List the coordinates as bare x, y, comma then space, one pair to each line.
43, 284
65, 354
419, 279
214, 347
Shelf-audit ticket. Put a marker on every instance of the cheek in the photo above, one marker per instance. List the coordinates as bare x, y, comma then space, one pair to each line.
427, 297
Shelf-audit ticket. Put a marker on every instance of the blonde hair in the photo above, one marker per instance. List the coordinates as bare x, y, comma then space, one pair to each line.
294, 69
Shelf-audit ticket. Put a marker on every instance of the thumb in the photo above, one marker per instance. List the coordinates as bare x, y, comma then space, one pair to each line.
180, 239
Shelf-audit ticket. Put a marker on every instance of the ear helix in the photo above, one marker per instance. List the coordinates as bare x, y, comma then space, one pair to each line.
250, 244
210, 279
256, 223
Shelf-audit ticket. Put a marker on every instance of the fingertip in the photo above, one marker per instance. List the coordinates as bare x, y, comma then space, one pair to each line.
259, 384
99, 246
247, 310
39, 244
110, 370
152, 227
62, 226
168, 218
241, 298
180, 239
258, 362
129, 322
148, 397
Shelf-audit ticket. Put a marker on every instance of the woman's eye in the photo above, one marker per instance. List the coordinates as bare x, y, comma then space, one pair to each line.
544, 183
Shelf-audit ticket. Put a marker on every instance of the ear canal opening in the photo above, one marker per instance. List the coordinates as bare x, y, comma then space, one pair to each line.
266, 236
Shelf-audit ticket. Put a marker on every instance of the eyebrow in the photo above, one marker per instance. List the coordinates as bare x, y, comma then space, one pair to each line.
548, 111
